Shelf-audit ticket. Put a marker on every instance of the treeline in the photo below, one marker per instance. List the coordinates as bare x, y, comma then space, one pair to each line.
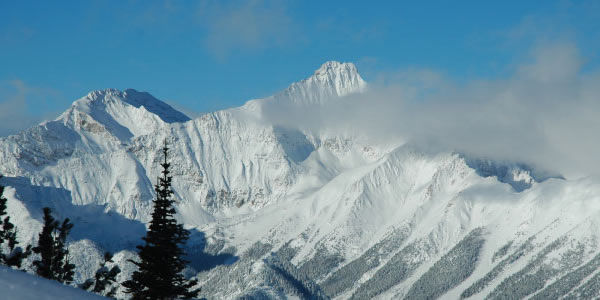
160, 262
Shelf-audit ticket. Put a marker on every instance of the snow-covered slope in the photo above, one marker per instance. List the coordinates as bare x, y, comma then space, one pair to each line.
279, 212
16, 285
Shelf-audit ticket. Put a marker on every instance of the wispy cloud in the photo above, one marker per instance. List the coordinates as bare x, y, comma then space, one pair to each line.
249, 25
15, 103
545, 113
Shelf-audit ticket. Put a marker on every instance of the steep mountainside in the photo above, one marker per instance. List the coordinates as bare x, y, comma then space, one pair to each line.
279, 212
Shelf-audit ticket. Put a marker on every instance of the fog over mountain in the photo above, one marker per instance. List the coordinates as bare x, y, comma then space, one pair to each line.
542, 113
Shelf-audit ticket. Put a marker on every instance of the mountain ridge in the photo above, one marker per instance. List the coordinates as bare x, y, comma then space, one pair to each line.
135, 98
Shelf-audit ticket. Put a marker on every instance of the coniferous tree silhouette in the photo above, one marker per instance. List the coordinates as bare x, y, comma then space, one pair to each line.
52, 248
160, 264
10, 254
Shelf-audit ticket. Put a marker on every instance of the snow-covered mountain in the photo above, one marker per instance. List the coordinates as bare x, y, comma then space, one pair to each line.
332, 79
282, 212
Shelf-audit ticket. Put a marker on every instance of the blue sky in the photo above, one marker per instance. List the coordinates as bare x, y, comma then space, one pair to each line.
208, 55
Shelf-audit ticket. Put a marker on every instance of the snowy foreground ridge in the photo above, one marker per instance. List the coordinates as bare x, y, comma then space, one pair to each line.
17, 285
278, 212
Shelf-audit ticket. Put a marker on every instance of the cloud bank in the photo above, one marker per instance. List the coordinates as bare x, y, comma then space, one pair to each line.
546, 113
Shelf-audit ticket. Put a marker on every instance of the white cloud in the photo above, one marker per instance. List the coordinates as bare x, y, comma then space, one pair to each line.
553, 64
545, 114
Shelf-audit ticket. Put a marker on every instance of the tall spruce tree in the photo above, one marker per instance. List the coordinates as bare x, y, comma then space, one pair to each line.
52, 248
10, 254
160, 265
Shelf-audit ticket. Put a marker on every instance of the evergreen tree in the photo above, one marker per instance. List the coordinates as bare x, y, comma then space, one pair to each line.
104, 281
45, 247
160, 264
64, 269
8, 237
52, 248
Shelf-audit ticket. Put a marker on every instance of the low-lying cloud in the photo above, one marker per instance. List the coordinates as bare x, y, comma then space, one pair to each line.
547, 113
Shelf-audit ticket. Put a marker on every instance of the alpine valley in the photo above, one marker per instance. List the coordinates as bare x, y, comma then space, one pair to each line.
280, 212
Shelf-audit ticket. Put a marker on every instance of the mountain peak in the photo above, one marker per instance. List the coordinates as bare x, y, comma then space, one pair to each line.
101, 98
98, 95
342, 78
333, 79
336, 67
122, 114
